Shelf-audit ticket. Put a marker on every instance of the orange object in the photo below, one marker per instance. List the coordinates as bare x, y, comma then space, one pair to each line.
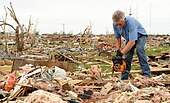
10, 82
119, 64
121, 68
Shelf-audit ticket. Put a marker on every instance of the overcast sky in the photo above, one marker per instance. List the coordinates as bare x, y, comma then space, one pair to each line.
76, 15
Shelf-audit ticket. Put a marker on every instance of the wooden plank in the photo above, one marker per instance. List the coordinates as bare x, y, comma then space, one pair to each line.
88, 87
75, 61
165, 82
153, 70
106, 88
97, 81
105, 61
64, 65
24, 85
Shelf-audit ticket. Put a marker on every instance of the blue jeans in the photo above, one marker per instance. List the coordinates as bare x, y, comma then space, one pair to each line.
140, 43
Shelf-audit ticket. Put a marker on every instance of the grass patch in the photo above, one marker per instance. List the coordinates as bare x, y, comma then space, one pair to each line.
105, 67
157, 50
87, 66
135, 67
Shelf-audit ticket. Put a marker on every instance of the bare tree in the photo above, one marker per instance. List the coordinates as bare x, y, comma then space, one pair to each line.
20, 31
3, 26
4, 30
87, 30
30, 34
19, 36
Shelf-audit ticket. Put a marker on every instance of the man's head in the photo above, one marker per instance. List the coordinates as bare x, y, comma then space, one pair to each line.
118, 18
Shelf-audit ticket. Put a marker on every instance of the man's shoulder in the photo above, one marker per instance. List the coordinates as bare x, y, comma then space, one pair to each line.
130, 18
131, 21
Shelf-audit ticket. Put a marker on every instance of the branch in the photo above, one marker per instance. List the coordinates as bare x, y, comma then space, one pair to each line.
13, 15
4, 23
29, 25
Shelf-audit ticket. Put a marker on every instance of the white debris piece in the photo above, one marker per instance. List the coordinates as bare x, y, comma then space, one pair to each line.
57, 73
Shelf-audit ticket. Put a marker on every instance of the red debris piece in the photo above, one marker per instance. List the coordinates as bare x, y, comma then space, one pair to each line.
10, 81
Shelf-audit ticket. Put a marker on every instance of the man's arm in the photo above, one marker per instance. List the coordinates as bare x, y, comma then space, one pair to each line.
133, 35
129, 45
118, 43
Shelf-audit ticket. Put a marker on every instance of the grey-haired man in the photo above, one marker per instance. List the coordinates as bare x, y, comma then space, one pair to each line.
135, 35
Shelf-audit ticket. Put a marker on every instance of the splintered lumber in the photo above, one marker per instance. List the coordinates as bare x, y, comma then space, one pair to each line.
106, 88
165, 82
153, 70
18, 93
97, 81
105, 61
87, 87
71, 82
24, 85
75, 61
64, 65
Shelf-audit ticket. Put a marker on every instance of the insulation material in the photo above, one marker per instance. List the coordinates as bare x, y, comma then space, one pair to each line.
41, 96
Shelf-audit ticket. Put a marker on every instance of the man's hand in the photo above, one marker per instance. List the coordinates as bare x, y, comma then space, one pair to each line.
119, 53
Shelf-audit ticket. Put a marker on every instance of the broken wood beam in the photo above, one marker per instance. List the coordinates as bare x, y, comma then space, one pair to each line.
87, 87
164, 82
75, 61
153, 70
105, 61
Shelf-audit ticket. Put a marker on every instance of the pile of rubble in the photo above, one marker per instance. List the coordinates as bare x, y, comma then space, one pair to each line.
40, 81
41, 84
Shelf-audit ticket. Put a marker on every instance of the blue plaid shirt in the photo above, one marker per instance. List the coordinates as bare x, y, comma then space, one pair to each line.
131, 30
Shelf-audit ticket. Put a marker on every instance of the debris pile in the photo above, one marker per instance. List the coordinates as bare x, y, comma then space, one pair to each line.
44, 84
46, 73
